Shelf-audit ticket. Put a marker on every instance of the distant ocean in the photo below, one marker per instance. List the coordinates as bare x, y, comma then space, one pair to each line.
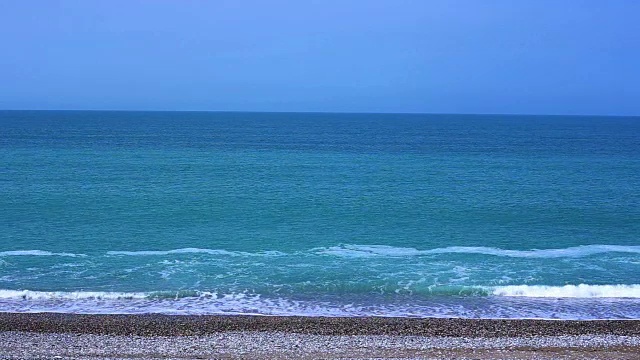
489, 216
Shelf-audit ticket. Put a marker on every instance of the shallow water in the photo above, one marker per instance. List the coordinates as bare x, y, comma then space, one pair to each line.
320, 214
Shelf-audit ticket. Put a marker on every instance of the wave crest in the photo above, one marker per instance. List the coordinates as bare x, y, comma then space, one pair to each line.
532, 291
37, 253
352, 251
569, 291
392, 251
193, 251
71, 295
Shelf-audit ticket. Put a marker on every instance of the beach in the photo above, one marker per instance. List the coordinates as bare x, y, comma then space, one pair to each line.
45, 335
231, 235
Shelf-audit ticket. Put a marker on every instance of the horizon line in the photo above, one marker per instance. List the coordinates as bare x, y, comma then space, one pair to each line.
329, 112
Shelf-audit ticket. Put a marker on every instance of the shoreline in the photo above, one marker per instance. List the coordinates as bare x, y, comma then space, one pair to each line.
189, 325
47, 335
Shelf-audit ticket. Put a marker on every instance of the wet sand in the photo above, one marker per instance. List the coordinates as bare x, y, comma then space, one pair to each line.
248, 337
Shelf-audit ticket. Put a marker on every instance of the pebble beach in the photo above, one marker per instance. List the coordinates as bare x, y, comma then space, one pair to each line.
49, 335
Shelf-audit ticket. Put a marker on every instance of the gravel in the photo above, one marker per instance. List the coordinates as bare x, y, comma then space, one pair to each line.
277, 345
47, 335
179, 325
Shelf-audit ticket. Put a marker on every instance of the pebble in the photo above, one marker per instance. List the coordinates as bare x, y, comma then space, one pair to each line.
72, 336
278, 345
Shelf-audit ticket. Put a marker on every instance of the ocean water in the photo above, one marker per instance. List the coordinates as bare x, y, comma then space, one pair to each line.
320, 214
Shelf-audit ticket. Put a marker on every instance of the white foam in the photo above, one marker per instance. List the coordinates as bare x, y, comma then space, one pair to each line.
168, 252
72, 295
202, 302
36, 253
383, 250
192, 251
368, 250
570, 291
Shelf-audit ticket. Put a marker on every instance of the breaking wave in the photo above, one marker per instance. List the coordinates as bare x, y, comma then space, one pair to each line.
532, 291
37, 253
348, 250
570, 291
383, 250
193, 251
71, 295
506, 302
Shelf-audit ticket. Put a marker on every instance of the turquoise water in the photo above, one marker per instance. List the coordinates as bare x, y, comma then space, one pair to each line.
320, 214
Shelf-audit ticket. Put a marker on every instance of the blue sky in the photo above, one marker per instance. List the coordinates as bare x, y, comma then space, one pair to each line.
483, 56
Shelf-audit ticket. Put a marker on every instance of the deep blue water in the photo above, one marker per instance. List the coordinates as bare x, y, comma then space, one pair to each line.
320, 214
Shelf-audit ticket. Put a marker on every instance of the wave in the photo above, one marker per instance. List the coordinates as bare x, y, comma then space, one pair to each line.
349, 250
483, 305
37, 253
569, 291
168, 252
115, 295
193, 251
71, 295
392, 251
367, 251
531, 291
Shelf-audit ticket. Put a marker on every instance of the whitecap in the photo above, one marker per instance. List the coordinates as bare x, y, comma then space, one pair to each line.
192, 251
392, 251
37, 253
71, 295
569, 291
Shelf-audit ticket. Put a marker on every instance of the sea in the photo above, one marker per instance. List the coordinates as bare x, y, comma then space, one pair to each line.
320, 214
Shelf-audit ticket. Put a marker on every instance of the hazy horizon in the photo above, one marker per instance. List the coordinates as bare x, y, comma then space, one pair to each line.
328, 112
378, 56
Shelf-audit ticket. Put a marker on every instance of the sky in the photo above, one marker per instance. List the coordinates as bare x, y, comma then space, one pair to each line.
422, 56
